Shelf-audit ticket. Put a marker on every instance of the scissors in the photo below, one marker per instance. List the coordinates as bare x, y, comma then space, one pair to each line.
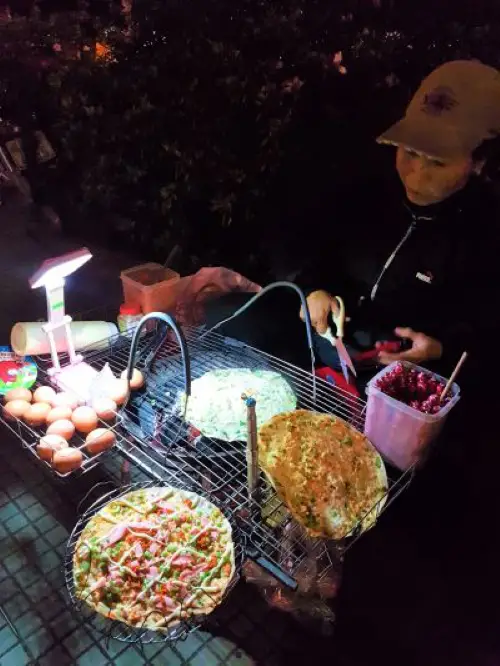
337, 342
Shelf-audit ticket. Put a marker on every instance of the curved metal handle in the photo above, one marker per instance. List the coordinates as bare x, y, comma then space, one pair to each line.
307, 318
170, 321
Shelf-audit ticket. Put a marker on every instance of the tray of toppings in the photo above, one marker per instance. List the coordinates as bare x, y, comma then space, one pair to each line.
154, 559
328, 474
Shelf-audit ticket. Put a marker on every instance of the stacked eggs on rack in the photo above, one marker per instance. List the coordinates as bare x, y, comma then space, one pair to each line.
63, 418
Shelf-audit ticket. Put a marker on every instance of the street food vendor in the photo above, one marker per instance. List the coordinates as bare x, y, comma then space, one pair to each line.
428, 272
420, 264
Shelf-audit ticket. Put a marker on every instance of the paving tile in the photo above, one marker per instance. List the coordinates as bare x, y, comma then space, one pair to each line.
17, 560
16, 522
55, 578
15, 657
189, 647
167, 656
152, 650
40, 642
27, 535
130, 657
26, 500
26, 577
111, 647
38, 590
7, 511
77, 642
56, 657
63, 624
50, 606
57, 535
7, 640
223, 649
28, 623
48, 561
15, 488
4, 498
35, 512
92, 657
46, 524
8, 589
16, 606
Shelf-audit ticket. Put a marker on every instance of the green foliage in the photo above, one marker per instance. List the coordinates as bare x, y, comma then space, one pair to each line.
217, 118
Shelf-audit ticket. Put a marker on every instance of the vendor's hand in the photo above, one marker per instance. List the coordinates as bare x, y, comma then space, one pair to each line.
320, 304
423, 348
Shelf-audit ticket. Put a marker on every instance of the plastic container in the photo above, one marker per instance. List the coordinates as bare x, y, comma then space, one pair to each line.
28, 337
129, 318
400, 433
150, 286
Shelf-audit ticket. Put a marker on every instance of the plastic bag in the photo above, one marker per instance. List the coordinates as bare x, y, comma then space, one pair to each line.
208, 283
102, 385
315, 565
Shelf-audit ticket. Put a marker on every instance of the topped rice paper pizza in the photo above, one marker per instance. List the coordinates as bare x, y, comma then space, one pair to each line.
328, 474
154, 557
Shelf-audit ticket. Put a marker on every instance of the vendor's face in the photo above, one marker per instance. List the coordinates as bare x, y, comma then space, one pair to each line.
427, 180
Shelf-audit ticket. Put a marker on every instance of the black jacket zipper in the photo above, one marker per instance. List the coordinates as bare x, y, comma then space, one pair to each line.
391, 257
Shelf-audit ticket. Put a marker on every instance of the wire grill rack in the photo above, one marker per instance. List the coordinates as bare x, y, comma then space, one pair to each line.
162, 445
118, 630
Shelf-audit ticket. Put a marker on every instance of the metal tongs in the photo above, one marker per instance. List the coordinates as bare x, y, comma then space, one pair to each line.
337, 342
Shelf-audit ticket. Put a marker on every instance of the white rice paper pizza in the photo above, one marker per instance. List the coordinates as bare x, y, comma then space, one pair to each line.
217, 410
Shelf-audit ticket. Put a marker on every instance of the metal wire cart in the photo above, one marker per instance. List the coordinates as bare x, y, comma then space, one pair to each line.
292, 571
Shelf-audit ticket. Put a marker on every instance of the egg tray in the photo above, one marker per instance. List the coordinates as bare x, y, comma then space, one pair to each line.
30, 437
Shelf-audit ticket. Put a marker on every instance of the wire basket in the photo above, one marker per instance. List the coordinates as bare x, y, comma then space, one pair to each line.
119, 630
30, 437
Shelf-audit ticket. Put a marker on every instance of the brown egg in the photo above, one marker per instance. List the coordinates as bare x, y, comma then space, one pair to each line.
65, 400
99, 440
15, 409
66, 460
37, 413
49, 444
44, 394
105, 409
18, 394
119, 391
63, 428
85, 419
59, 413
137, 380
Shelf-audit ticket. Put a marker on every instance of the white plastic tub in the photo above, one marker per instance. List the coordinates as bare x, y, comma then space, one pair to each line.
402, 434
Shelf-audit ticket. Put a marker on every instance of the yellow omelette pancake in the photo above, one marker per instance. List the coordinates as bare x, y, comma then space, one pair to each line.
328, 474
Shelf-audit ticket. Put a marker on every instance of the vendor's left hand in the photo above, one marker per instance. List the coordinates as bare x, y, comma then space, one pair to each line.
423, 348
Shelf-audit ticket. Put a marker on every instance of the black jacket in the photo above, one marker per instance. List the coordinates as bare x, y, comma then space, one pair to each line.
435, 269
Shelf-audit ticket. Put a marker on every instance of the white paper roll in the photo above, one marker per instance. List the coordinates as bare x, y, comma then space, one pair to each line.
29, 338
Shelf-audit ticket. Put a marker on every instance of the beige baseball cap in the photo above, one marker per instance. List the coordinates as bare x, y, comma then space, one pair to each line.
456, 108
